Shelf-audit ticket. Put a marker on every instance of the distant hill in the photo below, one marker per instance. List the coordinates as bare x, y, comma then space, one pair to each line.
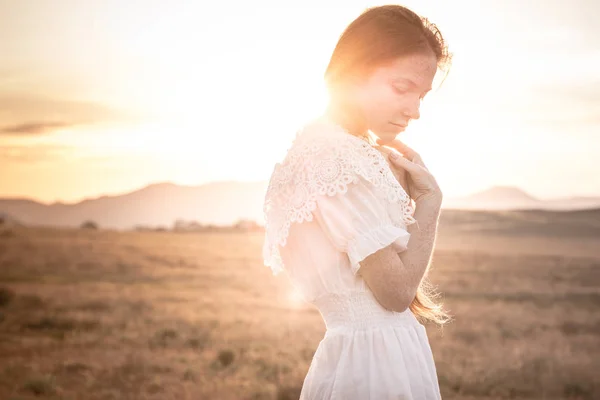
224, 203
220, 203
512, 198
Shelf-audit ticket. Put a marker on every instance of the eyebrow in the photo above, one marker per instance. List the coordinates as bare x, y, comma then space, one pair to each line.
411, 83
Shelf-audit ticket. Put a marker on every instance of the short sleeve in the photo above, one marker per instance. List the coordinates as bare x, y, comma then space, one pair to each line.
358, 223
345, 183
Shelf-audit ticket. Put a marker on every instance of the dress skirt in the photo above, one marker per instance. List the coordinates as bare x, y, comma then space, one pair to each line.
370, 353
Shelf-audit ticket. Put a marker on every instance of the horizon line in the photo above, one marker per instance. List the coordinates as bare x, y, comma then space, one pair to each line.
118, 194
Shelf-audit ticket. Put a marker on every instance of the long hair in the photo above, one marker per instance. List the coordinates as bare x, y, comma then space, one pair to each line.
379, 35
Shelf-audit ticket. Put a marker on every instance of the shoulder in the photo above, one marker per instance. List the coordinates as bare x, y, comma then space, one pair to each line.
324, 159
322, 136
322, 144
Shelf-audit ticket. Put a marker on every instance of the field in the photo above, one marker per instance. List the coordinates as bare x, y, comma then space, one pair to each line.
88, 314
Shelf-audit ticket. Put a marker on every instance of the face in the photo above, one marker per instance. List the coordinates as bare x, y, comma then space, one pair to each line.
391, 95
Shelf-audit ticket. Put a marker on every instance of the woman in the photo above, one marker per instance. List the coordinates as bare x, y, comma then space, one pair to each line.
339, 215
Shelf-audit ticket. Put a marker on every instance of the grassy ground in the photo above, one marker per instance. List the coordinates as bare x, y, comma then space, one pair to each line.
162, 315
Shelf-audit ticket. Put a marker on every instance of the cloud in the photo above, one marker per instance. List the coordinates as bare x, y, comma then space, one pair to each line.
35, 154
33, 128
566, 105
563, 106
578, 16
35, 115
584, 93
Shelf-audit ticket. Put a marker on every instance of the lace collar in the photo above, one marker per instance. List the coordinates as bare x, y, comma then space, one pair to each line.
323, 160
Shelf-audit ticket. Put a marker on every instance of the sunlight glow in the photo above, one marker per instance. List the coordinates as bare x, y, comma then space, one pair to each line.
296, 300
221, 91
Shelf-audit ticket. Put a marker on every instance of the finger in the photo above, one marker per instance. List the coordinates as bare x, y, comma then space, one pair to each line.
418, 160
415, 160
416, 157
402, 147
402, 162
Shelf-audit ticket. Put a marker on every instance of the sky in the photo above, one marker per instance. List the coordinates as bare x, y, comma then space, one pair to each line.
103, 97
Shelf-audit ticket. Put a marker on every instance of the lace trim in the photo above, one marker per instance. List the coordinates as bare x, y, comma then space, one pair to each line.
323, 160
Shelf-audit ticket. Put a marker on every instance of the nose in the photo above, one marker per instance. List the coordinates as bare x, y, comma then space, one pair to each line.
412, 111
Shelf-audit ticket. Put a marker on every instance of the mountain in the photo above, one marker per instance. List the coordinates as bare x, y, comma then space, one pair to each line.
497, 197
225, 203
161, 204
512, 198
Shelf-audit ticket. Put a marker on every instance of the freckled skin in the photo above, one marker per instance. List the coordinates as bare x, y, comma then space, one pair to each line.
394, 278
392, 93
388, 94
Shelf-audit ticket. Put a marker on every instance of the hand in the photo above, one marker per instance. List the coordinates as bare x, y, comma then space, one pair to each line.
400, 174
421, 184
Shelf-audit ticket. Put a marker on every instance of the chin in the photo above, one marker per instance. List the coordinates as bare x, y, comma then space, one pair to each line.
386, 136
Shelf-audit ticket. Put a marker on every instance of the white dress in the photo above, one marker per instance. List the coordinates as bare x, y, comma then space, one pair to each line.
331, 202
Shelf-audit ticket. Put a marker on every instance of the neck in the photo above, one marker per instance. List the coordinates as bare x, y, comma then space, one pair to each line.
344, 116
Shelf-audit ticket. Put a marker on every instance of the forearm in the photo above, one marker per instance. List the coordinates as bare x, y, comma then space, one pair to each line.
417, 257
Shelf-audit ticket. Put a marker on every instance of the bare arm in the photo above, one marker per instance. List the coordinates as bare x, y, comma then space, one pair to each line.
395, 277
417, 258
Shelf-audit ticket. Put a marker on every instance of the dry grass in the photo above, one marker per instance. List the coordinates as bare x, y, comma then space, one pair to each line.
162, 315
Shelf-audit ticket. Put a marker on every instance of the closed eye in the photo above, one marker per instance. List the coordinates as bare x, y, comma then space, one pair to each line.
405, 91
399, 90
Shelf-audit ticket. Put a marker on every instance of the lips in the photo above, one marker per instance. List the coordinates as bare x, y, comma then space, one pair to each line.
400, 125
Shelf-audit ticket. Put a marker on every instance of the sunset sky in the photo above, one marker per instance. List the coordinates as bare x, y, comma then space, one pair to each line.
106, 96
